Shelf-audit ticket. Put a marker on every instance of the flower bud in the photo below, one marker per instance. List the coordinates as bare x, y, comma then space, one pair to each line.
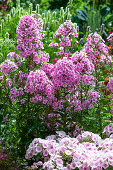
88, 29
48, 15
102, 28
30, 8
8, 17
75, 25
18, 3
70, 2
13, 12
77, 28
81, 40
26, 13
44, 23
54, 14
37, 8
7, 35
2, 24
62, 19
68, 16
43, 15
19, 12
61, 11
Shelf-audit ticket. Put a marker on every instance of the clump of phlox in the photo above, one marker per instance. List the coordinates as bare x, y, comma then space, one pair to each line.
87, 151
63, 74
96, 49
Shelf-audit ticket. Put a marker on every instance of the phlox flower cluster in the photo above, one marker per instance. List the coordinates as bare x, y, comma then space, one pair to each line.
74, 103
84, 67
18, 82
15, 57
40, 57
39, 21
87, 136
14, 93
66, 29
19, 79
94, 94
82, 63
44, 57
39, 85
8, 66
54, 45
86, 103
28, 36
110, 84
63, 74
9, 82
47, 68
92, 97
87, 151
65, 33
96, 49
108, 130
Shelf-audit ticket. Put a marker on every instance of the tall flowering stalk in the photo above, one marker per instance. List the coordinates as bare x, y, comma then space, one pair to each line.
65, 33
29, 38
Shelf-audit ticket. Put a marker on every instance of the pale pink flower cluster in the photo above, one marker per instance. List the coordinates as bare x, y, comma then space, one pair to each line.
39, 85
28, 36
87, 136
96, 49
110, 84
8, 66
87, 151
108, 130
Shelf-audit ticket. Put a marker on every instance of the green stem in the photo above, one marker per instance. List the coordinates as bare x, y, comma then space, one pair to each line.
100, 120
